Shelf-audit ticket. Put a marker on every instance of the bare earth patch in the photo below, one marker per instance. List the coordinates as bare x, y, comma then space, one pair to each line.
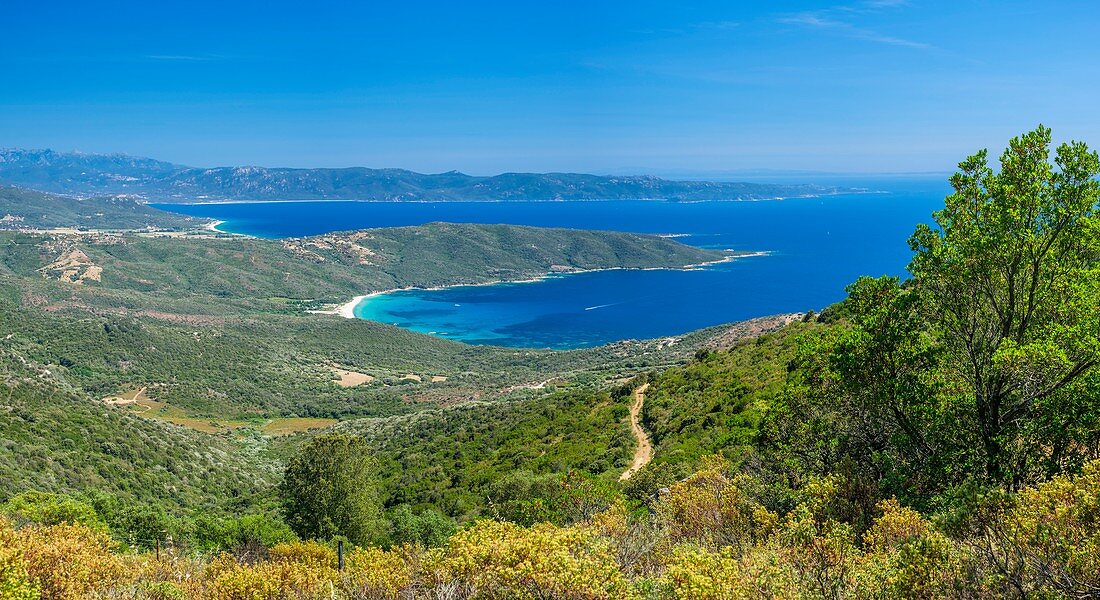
127, 398
412, 377
751, 329
140, 402
73, 266
350, 378
438, 379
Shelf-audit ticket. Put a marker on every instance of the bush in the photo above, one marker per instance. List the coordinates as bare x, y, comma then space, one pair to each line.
429, 529
250, 534
295, 570
714, 509
376, 573
69, 561
1047, 537
52, 509
503, 560
15, 580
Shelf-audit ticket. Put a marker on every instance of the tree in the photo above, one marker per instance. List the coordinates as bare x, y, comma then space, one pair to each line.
977, 371
329, 490
1011, 287
868, 389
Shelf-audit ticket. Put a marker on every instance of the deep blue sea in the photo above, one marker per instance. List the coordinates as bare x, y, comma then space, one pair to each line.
816, 246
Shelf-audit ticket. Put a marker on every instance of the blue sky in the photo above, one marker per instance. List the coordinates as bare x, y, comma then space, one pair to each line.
485, 87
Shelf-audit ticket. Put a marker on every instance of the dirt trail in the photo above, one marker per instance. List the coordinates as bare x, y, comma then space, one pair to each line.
644, 453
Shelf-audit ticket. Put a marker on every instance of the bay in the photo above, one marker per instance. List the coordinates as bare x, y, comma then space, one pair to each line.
815, 247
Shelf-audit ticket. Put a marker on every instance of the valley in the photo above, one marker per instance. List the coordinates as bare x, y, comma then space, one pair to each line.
174, 387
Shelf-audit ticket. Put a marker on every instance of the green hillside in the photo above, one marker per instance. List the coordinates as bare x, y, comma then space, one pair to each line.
56, 439
22, 208
223, 274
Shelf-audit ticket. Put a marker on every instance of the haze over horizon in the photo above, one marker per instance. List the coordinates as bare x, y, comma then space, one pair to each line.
491, 87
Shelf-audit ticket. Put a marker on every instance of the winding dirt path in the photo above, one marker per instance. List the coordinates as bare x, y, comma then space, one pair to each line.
644, 453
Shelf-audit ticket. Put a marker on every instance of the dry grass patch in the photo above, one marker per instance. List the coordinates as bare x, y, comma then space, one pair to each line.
292, 425
350, 378
140, 402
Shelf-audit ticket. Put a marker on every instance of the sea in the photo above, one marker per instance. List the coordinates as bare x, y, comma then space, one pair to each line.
810, 250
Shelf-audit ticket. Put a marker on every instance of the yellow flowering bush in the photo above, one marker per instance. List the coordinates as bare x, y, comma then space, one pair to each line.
1050, 538
15, 581
294, 570
377, 573
907, 558
1042, 542
270, 579
696, 574
504, 560
69, 561
310, 554
714, 509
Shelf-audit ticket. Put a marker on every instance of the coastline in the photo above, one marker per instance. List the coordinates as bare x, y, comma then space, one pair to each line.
347, 309
490, 201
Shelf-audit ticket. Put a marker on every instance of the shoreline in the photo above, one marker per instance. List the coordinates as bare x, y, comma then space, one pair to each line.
551, 200
347, 309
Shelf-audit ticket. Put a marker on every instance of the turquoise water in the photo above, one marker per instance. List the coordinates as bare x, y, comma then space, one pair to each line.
815, 246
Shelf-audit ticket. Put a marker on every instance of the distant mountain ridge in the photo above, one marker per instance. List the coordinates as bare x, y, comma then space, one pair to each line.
80, 174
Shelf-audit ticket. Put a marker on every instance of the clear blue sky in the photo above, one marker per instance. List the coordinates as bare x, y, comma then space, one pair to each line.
594, 86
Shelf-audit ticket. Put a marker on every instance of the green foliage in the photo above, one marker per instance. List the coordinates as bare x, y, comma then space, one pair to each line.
511, 454
52, 439
44, 508
428, 529
329, 490
231, 274
714, 405
239, 534
1010, 283
203, 324
979, 371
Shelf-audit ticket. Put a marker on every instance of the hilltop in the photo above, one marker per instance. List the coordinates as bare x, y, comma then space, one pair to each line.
81, 174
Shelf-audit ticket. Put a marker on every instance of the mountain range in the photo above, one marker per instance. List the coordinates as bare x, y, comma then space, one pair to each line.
83, 175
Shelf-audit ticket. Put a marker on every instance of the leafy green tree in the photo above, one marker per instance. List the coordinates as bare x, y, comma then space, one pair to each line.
143, 525
1011, 287
979, 369
329, 490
